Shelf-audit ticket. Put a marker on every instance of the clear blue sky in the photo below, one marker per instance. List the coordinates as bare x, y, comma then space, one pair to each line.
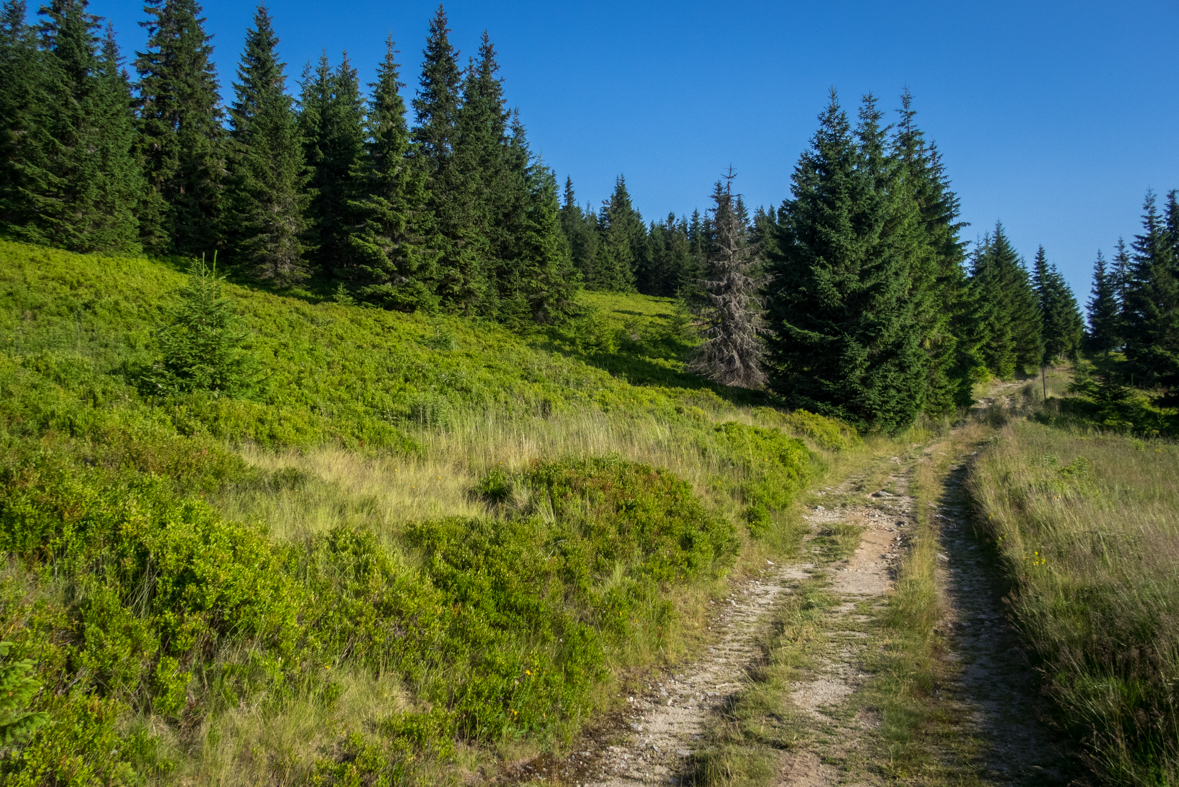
1054, 117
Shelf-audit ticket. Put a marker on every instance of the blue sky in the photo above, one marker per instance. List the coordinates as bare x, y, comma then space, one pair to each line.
1054, 117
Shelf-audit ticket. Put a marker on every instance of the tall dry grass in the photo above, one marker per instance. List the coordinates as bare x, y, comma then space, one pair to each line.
1088, 527
331, 485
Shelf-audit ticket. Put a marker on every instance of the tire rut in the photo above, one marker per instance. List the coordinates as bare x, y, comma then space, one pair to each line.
666, 724
996, 685
867, 576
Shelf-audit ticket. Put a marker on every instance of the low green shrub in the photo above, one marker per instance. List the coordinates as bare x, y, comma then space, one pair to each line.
17, 687
519, 658
770, 468
140, 608
824, 432
635, 515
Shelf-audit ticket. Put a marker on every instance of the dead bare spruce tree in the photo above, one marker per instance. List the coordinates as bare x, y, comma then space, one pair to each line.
730, 315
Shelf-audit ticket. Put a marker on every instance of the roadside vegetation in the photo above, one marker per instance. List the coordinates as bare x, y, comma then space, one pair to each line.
1082, 523
1085, 523
415, 547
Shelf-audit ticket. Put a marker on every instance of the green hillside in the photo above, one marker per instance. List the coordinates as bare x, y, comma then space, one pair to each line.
421, 545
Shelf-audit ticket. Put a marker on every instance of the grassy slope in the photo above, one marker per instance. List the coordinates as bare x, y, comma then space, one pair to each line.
425, 544
1086, 525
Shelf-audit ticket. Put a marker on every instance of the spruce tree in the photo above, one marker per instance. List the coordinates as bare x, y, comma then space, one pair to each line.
115, 226
842, 340
581, 233
202, 348
537, 280
938, 277
22, 102
1104, 321
1003, 289
1061, 324
895, 276
699, 230
548, 279
1121, 273
437, 101
331, 123
972, 325
490, 185
463, 280
1172, 222
391, 259
671, 265
79, 181
731, 350
570, 212
996, 344
763, 230
267, 172
181, 139
1151, 310
621, 235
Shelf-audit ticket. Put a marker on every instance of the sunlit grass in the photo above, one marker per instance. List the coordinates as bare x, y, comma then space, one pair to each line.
1088, 528
375, 423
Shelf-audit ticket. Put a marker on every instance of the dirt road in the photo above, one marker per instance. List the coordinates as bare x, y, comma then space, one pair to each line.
829, 733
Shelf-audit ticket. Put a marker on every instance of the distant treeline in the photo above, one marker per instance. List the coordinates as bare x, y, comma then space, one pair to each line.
868, 305
455, 213
1134, 306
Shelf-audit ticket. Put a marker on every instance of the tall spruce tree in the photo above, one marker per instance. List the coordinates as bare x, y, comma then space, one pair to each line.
22, 101
938, 276
581, 231
391, 259
77, 180
548, 280
1151, 309
1104, 331
490, 184
331, 124
268, 176
621, 233
535, 276
972, 324
672, 266
181, 139
1008, 307
730, 321
463, 278
1061, 324
1121, 272
115, 227
1171, 214
570, 211
699, 230
843, 341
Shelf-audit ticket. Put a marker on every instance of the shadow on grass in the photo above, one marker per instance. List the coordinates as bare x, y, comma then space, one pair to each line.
644, 371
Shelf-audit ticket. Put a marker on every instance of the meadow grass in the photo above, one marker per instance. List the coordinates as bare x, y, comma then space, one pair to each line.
485, 532
1087, 525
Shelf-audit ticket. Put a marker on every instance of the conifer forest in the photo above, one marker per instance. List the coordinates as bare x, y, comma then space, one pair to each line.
344, 442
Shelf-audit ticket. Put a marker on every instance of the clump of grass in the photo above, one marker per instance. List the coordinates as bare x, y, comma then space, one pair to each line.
1087, 527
